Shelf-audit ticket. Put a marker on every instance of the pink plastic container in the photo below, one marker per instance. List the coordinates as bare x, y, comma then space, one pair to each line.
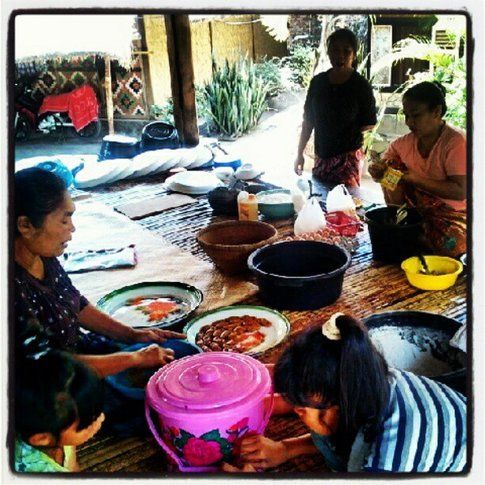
205, 404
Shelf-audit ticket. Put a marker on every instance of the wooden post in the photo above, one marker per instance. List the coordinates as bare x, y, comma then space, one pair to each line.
109, 93
182, 77
147, 78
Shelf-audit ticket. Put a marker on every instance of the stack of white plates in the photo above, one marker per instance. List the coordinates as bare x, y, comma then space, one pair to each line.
193, 183
97, 173
186, 156
161, 158
128, 168
203, 157
147, 163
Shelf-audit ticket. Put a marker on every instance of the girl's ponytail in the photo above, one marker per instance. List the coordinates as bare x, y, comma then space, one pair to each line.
364, 389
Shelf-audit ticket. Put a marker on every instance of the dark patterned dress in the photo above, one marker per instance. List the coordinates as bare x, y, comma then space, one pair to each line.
49, 309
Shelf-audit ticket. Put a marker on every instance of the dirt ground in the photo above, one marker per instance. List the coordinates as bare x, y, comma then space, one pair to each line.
271, 146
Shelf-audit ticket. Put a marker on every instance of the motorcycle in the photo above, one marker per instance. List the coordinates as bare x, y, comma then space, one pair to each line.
77, 109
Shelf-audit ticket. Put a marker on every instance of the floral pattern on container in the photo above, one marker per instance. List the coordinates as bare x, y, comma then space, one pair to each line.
207, 449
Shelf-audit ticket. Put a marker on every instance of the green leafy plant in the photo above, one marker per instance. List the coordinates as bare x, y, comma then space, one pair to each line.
163, 112
235, 97
448, 70
269, 71
301, 62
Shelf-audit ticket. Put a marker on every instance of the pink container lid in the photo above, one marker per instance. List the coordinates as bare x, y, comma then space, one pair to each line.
208, 382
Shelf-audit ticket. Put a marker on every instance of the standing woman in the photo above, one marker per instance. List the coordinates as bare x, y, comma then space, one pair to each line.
339, 106
433, 159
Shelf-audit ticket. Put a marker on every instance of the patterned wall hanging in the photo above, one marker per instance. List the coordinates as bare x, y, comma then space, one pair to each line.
129, 93
64, 75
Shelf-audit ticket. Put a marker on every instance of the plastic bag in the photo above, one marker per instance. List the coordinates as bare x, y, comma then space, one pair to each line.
298, 199
339, 199
310, 219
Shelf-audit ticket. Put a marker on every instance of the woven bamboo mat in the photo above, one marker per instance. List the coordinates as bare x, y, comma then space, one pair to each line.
369, 287
178, 226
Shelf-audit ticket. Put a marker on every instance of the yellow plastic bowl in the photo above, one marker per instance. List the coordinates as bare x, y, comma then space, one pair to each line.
449, 267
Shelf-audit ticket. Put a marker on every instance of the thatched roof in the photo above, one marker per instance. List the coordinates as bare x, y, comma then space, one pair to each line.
41, 37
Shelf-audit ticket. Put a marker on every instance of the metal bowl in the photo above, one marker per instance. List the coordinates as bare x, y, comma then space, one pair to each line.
278, 210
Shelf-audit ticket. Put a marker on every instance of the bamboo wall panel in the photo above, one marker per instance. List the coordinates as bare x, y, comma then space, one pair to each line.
156, 39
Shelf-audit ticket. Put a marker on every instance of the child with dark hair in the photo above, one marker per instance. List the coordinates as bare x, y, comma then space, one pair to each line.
58, 406
362, 416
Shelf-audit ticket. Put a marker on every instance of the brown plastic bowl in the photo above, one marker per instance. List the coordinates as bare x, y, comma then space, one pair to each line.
230, 243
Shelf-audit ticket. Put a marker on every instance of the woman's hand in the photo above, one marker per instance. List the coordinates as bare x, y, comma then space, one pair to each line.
377, 169
155, 335
152, 356
410, 177
299, 163
261, 452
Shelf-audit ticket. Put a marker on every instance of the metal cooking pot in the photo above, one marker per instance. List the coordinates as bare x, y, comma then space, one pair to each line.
425, 336
157, 135
118, 146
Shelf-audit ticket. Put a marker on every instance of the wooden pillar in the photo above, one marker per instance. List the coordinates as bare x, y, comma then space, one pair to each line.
182, 77
147, 78
109, 93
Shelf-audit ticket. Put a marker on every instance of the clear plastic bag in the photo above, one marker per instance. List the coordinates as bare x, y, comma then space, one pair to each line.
339, 199
310, 219
298, 198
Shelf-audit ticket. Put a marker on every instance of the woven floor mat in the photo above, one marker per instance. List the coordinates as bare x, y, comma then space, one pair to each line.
179, 225
99, 226
369, 287
143, 455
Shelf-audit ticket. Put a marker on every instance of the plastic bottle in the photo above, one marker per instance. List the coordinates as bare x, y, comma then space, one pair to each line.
247, 205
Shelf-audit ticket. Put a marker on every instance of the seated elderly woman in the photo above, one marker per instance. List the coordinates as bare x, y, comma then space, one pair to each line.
47, 303
433, 159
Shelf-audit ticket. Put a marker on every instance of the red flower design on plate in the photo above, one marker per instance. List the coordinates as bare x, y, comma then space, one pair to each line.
198, 452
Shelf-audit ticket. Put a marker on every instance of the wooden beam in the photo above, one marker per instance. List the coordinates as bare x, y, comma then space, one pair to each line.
109, 94
182, 77
147, 78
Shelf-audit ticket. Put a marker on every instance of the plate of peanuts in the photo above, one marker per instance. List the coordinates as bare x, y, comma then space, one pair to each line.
243, 329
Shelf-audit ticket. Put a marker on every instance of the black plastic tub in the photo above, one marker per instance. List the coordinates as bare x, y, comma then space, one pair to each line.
419, 342
393, 243
299, 275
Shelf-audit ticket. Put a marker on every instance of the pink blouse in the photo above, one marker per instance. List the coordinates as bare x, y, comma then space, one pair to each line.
447, 158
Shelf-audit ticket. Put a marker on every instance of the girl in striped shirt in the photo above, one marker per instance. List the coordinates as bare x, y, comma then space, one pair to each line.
362, 415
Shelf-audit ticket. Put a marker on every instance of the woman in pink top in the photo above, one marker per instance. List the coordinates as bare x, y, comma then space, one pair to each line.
433, 159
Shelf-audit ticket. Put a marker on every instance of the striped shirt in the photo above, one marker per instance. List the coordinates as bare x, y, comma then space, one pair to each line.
424, 429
